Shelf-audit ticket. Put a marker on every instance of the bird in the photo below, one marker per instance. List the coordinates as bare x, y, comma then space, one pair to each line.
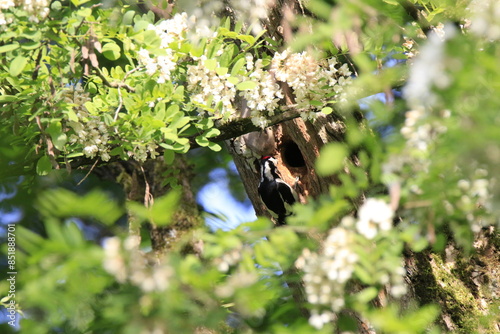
277, 195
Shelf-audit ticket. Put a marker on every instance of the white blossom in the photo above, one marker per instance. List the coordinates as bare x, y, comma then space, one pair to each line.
374, 215
429, 70
170, 31
318, 320
326, 273
89, 130
127, 262
311, 80
114, 262
484, 19
206, 85
37, 9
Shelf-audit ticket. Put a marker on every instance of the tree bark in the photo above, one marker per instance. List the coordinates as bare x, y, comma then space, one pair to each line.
296, 146
143, 183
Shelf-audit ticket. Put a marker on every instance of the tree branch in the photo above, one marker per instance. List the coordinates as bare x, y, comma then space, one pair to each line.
242, 126
416, 14
114, 84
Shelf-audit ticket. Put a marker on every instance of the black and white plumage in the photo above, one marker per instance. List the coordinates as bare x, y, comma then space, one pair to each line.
276, 194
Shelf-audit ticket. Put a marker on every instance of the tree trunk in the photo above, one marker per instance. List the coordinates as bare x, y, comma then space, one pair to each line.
296, 146
145, 182
466, 287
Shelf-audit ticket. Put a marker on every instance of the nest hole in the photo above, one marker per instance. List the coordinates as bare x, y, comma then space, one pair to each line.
291, 155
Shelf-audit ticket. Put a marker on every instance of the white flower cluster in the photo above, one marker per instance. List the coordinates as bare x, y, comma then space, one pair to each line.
374, 215
475, 199
207, 85
126, 262
228, 259
5, 4
311, 80
408, 45
484, 19
419, 132
164, 65
141, 150
203, 15
252, 12
90, 131
263, 99
428, 71
326, 273
395, 279
37, 9
170, 31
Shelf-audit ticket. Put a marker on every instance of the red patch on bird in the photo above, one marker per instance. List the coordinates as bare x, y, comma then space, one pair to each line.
265, 157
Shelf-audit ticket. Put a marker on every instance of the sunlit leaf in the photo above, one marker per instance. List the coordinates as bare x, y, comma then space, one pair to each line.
331, 159
246, 85
111, 51
17, 65
43, 166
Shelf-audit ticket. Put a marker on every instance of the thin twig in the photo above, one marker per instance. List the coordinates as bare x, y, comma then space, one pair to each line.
51, 149
148, 197
120, 98
415, 13
88, 173
120, 104
114, 84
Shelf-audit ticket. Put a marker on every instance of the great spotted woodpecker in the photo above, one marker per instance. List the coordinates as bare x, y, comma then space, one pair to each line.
276, 194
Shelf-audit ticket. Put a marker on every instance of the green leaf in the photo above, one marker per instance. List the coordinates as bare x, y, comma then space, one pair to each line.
233, 80
238, 66
169, 134
28, 240
59, 138
161, 211
214, 147
363, 275
111, 51
79, 2
366, 295
159, 111
84, 12
247, 38
221, 71
56, 6
171, 111
179, 122
151, 39
331, 159
63, 203
246, 85
211, 64
168, 156
30, 45
43, 166
128, 18
77, 154
7, 98
213, 132
202, 141
164, 207
9, 47
327, 110
197, 51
